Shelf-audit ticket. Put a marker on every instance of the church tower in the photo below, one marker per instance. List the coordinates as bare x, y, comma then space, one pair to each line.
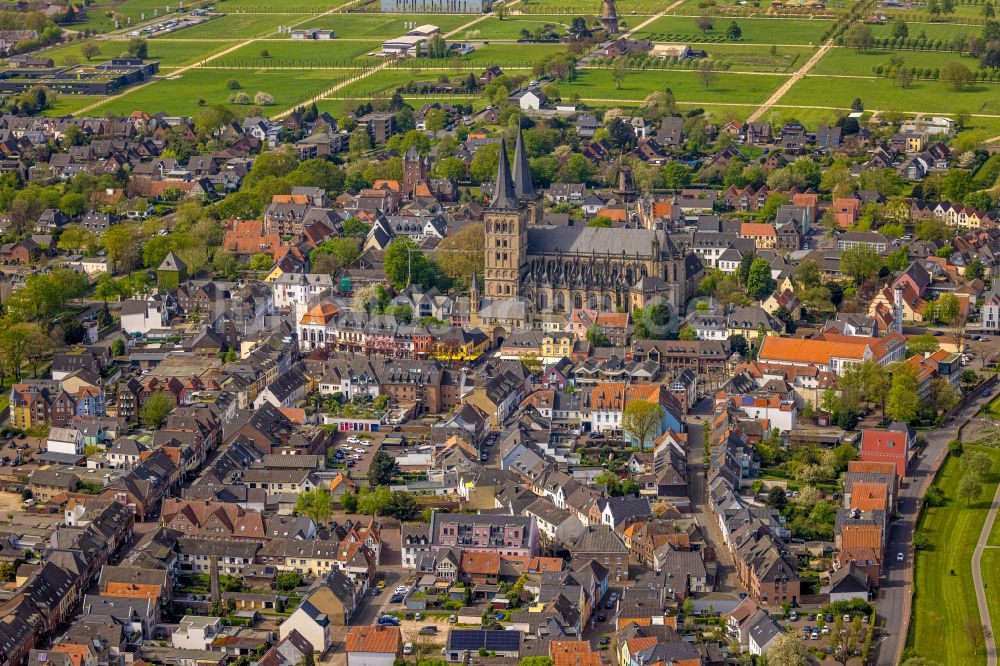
414, 170
523, 187
506, 235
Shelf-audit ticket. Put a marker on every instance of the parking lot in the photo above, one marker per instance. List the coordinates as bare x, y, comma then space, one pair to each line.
357, 449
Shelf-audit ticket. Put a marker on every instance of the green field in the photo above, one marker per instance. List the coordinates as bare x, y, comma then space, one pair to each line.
990, 564
235, 26
849, 61
925, 96
386, 81
686, 86
944, 603
69, 104
931, 30
298, 54
755, 30
510, 28
381, 26
584, 6
179, 96
522, 56
739, 57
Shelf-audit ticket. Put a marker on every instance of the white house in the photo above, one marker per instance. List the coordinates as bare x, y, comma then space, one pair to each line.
65, 440
558, 525
529, 99
314, 625
991, 310
300, 291
196, 632
142, 316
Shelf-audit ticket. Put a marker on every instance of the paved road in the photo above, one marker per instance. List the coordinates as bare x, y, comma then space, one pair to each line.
726, 580
977, 578
895, 594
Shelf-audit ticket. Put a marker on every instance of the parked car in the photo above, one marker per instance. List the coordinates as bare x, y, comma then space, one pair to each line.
605, 641
900, 557
380, 585
418, 616
453, 619
388, 620
601, 617
429, 630
396, 598
408, 648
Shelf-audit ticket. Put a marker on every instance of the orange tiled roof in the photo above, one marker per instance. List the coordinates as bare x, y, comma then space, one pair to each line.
861, 536
868, 496
75, 651
818, 352
573, 653
320, 314
871, 466
480, 562
754, 229
608, 395
134, 591
373, 639
290, 198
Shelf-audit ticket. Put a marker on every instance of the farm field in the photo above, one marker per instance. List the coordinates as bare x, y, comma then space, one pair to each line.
884, 94
931, 30
741, 57
523, 56
180, 95
944, 598
386, 81
510, 28
849, 61
755, 30
233, 26
380, 26
686, 86
297, 54
583, 6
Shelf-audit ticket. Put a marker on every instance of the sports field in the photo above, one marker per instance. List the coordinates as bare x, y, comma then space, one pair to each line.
771, 68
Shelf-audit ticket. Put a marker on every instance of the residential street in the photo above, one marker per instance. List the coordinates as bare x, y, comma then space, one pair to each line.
895, 595
726, 580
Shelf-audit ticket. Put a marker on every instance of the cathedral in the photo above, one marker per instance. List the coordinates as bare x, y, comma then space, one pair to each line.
555, 269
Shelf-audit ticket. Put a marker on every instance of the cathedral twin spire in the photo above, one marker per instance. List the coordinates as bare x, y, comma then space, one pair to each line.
510, 191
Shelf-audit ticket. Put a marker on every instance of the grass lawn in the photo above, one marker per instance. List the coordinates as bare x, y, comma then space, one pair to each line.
922, 96
991, 563
236, 26
70, 104
849, 61
758, 58
522, 56
686, 86
931, 30
994, 407
510, 27
755, 30
305, 55
382, 26
180, 95
170, 53
273, 6
582, 7
943, 603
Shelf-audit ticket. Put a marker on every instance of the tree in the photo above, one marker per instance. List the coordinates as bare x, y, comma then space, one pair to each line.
734, 32
374, 502
956, 75
706, 72
846, 640
619, 70
7, 572
904, 76
947, 309
687, 333
286, 581
452, 168
600, 222
676, 176
155, 409
978, 462
860, 37
641, 419
382, 468
860, 262
760, 284
406, 264
899, 28
704, 24
118, 348
903, 403
787, 650
807, 273
746, 262
776, 498
138, 48
231, 583
596, 338
925, 343
90, 50
349, 502
970, 487
316, 505
461, 255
